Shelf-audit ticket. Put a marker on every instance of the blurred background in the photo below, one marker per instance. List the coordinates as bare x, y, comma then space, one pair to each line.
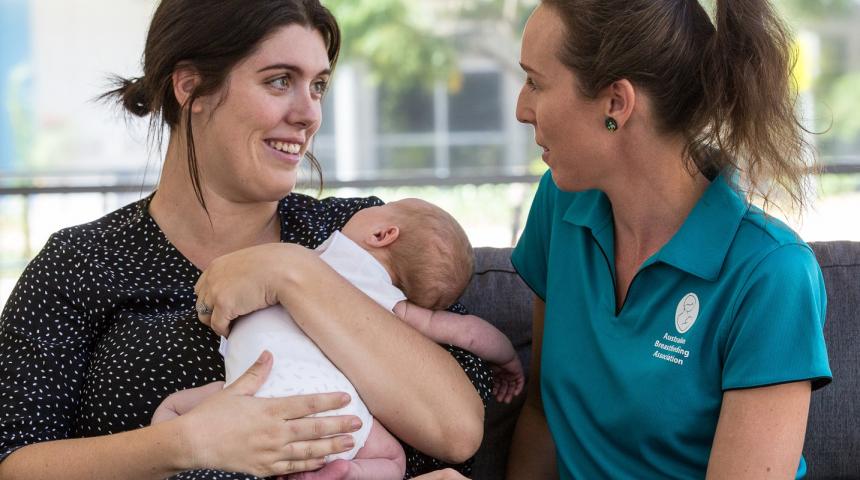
422, 104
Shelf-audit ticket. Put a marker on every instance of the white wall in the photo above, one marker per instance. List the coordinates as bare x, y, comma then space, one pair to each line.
77, 44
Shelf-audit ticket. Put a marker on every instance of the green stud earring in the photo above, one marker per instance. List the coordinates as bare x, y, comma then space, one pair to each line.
611, 124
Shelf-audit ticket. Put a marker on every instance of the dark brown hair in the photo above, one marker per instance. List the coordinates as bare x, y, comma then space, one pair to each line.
432, 256
211, 37
725, 86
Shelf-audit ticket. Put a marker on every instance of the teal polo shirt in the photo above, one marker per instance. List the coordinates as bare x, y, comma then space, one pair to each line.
734, 300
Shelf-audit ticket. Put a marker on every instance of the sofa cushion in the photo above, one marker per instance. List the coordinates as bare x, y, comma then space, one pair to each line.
833, 433
498, 295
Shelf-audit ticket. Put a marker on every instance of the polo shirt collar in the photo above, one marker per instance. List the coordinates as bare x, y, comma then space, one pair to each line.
699, 247
701, 244
590, 209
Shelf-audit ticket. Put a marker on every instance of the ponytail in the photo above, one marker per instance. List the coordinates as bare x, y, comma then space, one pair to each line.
749, 100
134, 96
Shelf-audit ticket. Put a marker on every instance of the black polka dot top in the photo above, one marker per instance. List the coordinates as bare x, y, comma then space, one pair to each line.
101, 327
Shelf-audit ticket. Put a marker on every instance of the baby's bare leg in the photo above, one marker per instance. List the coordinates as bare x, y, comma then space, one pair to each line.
381, 458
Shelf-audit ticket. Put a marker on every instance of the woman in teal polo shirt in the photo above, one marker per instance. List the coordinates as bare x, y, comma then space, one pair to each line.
677, 328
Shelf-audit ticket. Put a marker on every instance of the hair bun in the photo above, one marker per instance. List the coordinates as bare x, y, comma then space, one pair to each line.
134, 98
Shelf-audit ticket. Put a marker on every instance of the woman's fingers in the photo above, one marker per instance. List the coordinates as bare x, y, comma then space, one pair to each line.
319, 448
219, 321
313, 428
199, 287
204, 310
299, 406
216, 314
286, 467
254, 377
222, 309
303, 456
201, 282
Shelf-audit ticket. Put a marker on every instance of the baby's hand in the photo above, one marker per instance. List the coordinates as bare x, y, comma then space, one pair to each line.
508, 380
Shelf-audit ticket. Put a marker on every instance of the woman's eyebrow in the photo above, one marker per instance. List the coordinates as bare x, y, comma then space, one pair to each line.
292, 68
529, 69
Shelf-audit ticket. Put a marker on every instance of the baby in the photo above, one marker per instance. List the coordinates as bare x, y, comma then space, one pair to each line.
408, 249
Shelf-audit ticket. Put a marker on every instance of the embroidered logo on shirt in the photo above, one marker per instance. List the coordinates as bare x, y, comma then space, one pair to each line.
687, 312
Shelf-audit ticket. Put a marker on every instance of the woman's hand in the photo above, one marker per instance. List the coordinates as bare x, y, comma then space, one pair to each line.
240, 283
234, 431
181, 402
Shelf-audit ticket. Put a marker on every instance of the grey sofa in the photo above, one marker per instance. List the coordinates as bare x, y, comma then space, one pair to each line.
832, 447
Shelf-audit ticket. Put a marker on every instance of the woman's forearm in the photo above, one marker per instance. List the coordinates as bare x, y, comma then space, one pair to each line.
532, 454
425, 399
760, 432
148, 453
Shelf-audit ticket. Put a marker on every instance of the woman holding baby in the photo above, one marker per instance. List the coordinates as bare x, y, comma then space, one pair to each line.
103, 324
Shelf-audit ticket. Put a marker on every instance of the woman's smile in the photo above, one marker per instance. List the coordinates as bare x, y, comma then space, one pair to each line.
287, 151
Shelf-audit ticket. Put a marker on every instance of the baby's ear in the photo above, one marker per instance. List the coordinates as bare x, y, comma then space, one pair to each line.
384, 236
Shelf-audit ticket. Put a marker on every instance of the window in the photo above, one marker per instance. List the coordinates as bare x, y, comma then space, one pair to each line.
458, 129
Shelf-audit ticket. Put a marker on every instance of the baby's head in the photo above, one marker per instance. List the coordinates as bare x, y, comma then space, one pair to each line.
421, 245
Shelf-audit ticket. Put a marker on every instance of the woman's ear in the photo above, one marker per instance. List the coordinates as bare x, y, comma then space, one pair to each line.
621, 99
185, 80
384, 236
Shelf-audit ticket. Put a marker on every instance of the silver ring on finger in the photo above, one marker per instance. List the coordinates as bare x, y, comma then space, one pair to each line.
203, 309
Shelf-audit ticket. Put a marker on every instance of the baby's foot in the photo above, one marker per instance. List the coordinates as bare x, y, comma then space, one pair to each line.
336, 470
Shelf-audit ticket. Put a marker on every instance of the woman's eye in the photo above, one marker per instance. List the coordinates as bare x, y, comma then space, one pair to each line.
320, 87
531, 83
281, 83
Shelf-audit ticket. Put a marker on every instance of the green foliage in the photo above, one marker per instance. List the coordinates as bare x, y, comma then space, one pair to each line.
843, 99
800, 11
396, 42
513, 12
838, 184
804, 10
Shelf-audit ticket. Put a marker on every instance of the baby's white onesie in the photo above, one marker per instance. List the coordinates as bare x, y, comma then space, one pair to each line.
300, 367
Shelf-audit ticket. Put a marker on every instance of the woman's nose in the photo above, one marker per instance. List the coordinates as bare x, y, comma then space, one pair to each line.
524, 112
304, 111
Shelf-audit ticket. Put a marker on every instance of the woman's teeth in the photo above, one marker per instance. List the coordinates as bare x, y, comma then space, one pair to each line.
292, 148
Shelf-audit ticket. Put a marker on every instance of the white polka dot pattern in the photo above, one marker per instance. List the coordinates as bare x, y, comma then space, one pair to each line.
101, 327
